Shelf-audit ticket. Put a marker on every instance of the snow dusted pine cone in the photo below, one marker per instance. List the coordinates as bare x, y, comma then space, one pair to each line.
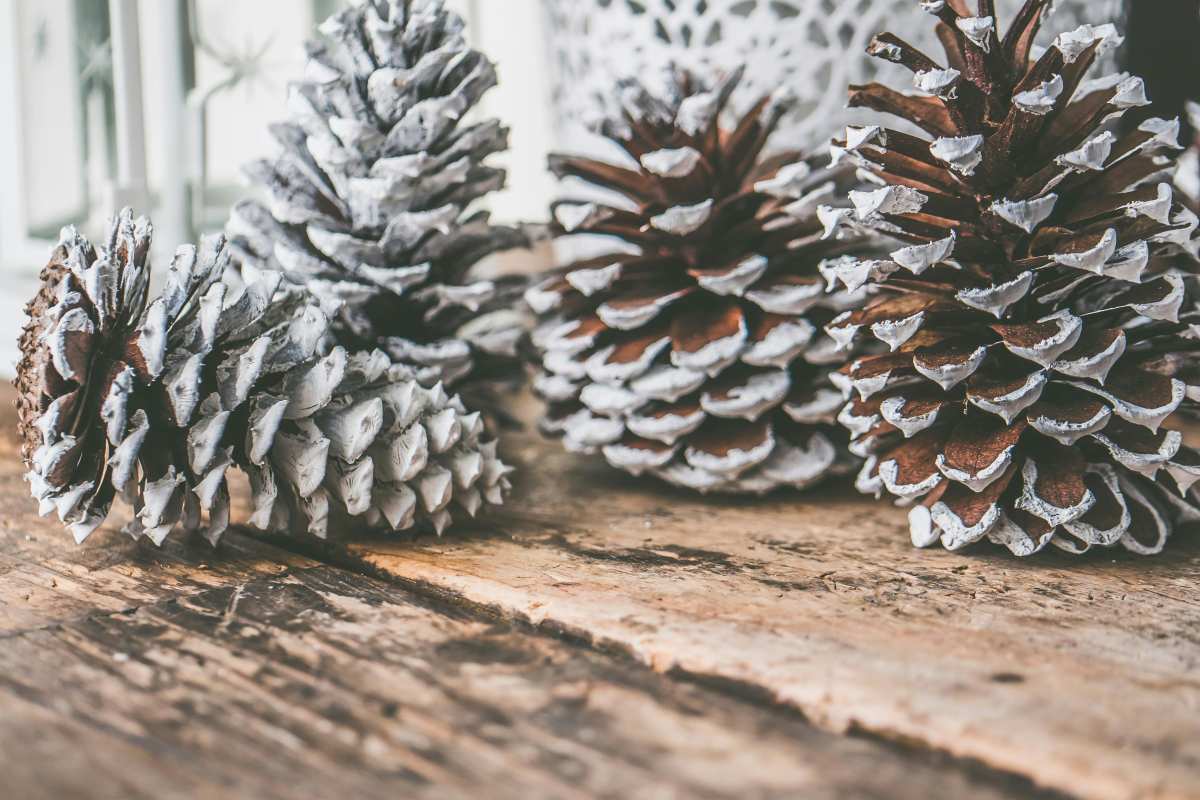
368, 196
158, 400
695, 352
1033, 311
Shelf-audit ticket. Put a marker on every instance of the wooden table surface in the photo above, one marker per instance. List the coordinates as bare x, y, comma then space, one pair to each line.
599, 638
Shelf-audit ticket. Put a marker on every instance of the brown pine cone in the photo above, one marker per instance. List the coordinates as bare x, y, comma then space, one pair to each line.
1032, 313
694, 352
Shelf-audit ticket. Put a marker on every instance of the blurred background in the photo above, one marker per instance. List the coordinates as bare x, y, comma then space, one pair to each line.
157, 104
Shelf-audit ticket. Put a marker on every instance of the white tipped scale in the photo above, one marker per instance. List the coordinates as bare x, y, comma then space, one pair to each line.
1092, 155
1158, 209
314, 508
950, 375
781, 344
1041, 99
402, 457
1025, 214
435, 488
398, 503
182, 383
734, 461
832, 219
1010, 535
1095, 365
665, 428
955, 533
1072, 44
609, 399
758, 394
672, 163
588, 431
264, 493
786, 298
444, 429
1009, 406
978, 30
982, 478
351, 484
891, 410
1164, 133
894, 333
352, 428
591, 281
555, 388
151, 340
856, 273
1066, 432
627, 318
940, 82
683, 220
841, 332
1094, 258
714, 356
789, 182
1149, 418
821, 408
1131, 93
204, 440
311, 390
1043, 508
961, 153
114, 411
1147, 464
637, 460
266, 415
921, 530
160, 500
1068, 329
889, 473
735, 282
69, 342
574, 216
238, 373
858, 424
995, 300
1088, 532
919, 257
301, 458
600, 368
466, 466
1167, 308
1129, 262
122, 464
888, 200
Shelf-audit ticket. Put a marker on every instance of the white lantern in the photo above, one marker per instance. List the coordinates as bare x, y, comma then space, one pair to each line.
815, 47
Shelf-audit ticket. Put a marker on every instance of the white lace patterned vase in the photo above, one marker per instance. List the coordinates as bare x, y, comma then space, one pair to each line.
817, 47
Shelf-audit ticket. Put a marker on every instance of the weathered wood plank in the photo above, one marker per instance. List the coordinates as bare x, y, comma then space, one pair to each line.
1079, 673
322, 683
45, 578
129, 672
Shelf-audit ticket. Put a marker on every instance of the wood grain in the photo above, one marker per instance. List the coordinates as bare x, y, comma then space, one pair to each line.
130, 672
1081, 674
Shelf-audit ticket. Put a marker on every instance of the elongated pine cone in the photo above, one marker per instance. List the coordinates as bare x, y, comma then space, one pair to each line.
1033, 313
369, 195
695, 352
158, 400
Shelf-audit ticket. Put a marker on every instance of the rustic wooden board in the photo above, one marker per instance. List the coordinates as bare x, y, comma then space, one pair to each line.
1082, 674
130, 672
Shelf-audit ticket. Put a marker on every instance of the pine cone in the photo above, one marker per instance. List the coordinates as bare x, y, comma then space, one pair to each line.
158, 400
369, 195
1033, 312
695, 353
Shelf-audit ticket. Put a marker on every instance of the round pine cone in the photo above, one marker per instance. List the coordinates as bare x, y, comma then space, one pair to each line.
695, 353
369, 194
1033, 312
158, 400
